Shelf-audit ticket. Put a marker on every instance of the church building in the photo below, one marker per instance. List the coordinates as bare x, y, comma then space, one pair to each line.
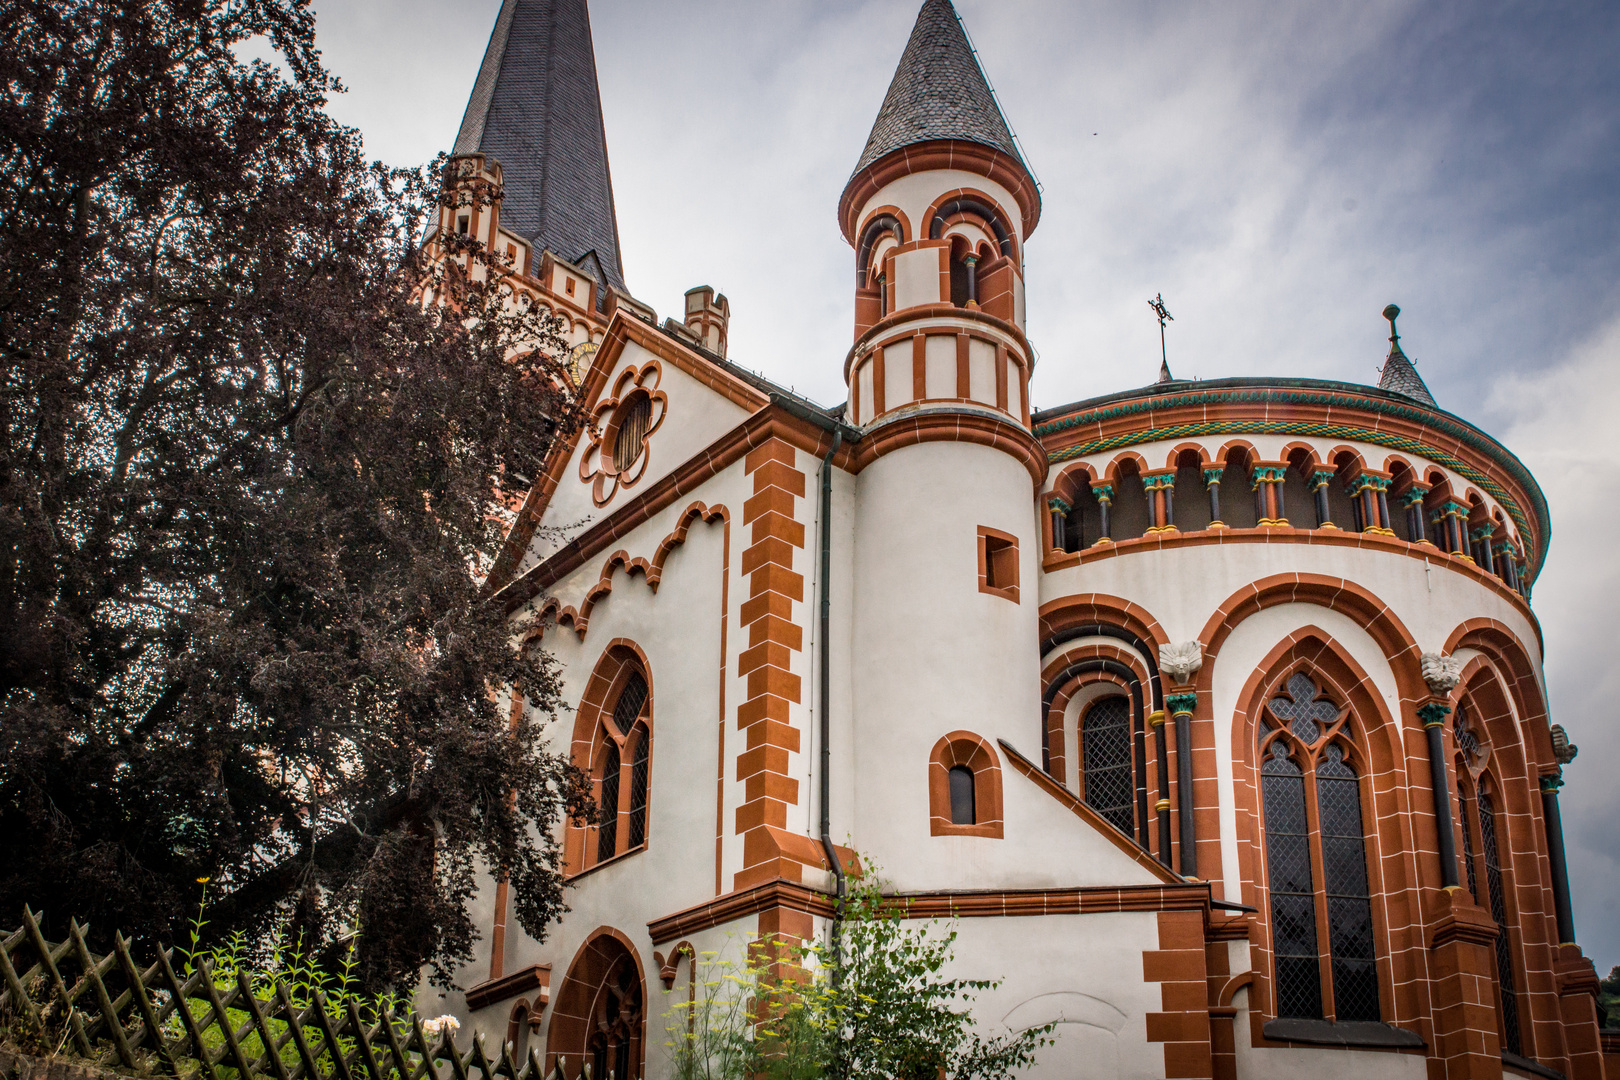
1213, 712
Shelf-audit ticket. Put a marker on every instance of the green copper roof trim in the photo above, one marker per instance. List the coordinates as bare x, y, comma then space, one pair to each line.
1301, 392
1305, 427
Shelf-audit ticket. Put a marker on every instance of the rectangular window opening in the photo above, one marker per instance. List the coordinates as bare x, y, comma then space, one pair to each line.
998, 563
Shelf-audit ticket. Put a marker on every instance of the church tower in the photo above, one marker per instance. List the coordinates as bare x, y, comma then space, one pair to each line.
938, 210
533, 133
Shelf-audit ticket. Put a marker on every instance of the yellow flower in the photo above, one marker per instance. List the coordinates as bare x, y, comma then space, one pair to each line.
203, 880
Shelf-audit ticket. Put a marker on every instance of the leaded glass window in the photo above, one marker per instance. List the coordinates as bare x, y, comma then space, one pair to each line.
1322, 930
1106, 748
1504, 946
638, 790
1293, 895
623, 738
607, 829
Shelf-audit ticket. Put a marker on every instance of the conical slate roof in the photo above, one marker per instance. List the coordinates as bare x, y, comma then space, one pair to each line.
536, 109
1399, 375
939, 92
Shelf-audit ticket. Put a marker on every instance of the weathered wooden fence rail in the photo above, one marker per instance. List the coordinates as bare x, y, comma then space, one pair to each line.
111, 1012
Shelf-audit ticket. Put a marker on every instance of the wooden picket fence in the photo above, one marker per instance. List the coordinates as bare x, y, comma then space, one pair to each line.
110, 1012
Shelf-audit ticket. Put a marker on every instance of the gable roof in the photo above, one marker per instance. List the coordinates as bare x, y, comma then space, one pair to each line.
938, 92
536, 109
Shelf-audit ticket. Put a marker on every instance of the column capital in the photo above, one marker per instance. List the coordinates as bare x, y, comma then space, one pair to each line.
1103, 492
1551, 782
1058, 503
1181, 703
1213, 475
1433, 713
1156, 718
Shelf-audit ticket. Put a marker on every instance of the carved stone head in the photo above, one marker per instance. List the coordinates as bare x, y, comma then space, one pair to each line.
1442, 673
1181, 660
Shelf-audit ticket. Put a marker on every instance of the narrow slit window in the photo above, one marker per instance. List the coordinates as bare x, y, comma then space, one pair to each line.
638, 791
607, 833
964, 807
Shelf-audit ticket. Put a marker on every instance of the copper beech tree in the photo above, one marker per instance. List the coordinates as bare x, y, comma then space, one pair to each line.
248, 482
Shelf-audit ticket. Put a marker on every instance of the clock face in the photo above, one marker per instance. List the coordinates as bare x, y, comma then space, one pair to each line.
579, 360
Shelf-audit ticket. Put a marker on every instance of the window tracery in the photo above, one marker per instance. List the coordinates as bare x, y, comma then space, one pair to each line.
621, 767
1321, 909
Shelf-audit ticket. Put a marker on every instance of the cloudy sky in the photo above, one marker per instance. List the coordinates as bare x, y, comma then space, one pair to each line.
1279, 171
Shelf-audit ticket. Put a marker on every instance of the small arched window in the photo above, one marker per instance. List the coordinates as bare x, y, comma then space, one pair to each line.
1304, 743
1105, 763
517, 1031
963, 811
964, 787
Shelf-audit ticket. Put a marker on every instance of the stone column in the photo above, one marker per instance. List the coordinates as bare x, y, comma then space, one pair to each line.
1462, 934
1212, 481
1161, 806
1059, 511
1105, 499
1179, 663
1320, 480
1181, 707
1413, 501
1268, 480
1441, 673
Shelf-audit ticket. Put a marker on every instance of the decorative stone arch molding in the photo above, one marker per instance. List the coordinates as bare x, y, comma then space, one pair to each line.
601, 1010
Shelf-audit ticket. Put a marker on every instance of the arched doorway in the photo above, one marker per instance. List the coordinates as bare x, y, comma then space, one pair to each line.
601, 1012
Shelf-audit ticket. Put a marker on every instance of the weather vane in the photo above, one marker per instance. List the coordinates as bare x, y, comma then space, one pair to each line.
1157, 304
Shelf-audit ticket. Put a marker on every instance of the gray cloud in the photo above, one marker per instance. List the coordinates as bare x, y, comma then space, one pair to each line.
1280, 171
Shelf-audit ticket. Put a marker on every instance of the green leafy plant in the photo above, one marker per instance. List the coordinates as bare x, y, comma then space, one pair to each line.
881, 1008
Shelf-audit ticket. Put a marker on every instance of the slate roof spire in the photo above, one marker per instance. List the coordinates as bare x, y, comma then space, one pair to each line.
536, 109
1399, 375
938, 92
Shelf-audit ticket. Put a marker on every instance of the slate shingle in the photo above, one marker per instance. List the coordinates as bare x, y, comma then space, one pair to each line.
938, 92
1400, 376
537, 110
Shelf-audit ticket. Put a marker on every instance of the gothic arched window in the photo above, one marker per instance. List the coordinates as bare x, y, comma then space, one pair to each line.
1105, 762
1321, 930
623, 745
